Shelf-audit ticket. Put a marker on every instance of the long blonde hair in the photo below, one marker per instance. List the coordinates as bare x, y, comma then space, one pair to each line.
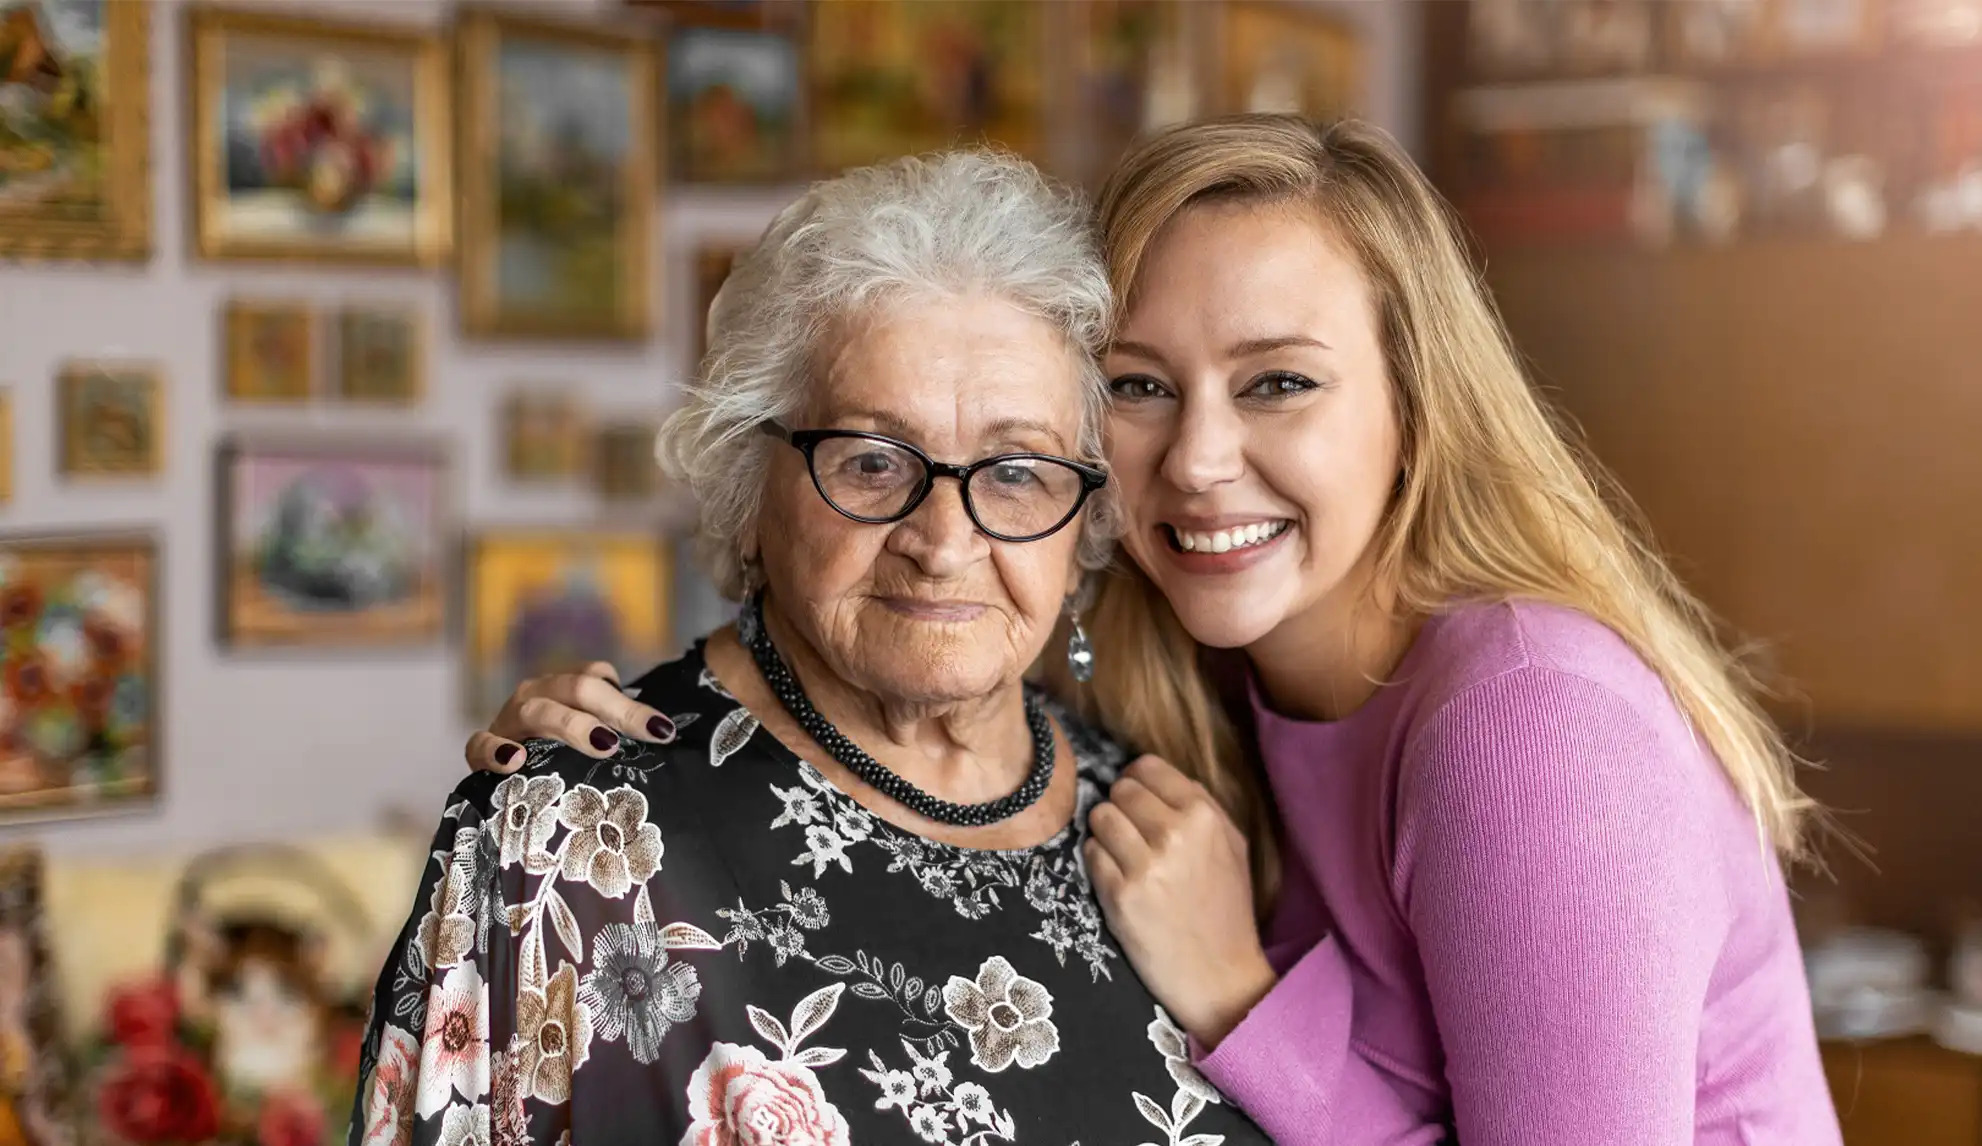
1494, 502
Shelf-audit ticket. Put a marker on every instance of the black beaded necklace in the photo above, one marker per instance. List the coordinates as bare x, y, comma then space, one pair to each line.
757, 637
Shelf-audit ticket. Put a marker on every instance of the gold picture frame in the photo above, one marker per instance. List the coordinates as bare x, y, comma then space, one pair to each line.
378, 190
101, 208
112, 418
546, 436
381, 356
557, 246
626, 468
271, 352
94, 747
1287, 58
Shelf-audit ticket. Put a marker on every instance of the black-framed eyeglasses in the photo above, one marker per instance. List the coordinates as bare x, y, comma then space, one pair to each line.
875, 479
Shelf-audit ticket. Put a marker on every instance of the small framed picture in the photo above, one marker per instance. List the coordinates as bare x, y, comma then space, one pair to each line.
712, 267
547, 437
329, 543
270, 351
380, 356
627, 470
112, 419
544, 601
735, 104
78, 674
319, 140
1288, 58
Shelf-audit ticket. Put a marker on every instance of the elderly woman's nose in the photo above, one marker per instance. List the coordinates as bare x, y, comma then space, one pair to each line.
940, 536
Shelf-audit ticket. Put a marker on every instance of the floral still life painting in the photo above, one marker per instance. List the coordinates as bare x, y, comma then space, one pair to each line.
78, 618
331, 544
317, 140
73, 133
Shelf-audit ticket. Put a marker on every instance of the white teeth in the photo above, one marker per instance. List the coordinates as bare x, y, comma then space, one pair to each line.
1226, 540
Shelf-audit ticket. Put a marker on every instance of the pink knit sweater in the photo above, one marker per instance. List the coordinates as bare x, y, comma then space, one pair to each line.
1521, 900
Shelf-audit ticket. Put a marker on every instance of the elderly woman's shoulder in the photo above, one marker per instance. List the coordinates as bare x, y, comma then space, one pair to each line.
709, 730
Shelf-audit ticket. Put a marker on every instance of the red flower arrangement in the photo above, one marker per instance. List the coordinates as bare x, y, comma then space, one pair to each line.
159, 1093
320, 146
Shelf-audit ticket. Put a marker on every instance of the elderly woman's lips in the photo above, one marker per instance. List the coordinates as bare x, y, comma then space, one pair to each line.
921, 610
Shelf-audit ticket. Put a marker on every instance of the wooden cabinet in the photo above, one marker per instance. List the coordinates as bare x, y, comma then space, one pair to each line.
1905, 1092
1801, 422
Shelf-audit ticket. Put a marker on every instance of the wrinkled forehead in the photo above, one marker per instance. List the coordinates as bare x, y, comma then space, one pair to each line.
971, 374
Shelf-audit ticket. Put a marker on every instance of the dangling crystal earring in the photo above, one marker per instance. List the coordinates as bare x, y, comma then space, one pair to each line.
1080, 654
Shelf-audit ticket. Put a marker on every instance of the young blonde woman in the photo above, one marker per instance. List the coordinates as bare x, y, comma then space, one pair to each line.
1521, 832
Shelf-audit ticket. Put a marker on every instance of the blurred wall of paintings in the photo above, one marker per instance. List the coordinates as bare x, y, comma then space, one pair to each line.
334, 342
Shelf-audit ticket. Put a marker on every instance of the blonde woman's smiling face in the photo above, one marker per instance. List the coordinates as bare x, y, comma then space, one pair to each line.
1252, 431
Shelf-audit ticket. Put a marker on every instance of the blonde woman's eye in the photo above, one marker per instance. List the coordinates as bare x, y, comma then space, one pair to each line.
1280, 384
1136, 387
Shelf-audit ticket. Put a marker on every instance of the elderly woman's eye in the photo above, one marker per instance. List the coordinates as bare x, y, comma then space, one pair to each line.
1136, 387
1014, 474
1279, 384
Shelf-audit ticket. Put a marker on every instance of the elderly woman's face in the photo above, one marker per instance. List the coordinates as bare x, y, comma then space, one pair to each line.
927, 610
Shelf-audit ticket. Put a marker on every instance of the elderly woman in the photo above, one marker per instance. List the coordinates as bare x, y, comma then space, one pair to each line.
842, 898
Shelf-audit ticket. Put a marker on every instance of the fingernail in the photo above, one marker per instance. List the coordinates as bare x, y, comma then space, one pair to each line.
603, 739
660, 728
505, 754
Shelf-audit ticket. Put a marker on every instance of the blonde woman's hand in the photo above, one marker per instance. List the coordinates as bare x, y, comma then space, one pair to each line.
585, 709
1170, 868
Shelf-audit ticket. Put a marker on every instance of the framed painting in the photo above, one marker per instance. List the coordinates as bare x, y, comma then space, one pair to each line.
315, 140
627, 470
1134, 73
895, 77
270, 350
546, 437
331, 543
380, 356
78, 674
558, 164
75, 135
113, 419
735, 104
712, 267
1288, 58
541, 601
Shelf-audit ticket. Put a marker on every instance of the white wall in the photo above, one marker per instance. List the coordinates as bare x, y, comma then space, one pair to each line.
265, 746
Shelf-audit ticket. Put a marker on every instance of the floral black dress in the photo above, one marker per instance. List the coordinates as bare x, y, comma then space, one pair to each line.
706, 942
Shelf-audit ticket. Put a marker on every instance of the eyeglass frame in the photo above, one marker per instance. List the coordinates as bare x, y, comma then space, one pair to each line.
1092, 478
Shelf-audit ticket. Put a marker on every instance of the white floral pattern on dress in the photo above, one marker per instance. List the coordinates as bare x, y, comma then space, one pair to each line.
1008, 1016
390, 1089
557, 1036
611, 845
454, 1048
1193, 1092
524, 814
465, 1126
634, 991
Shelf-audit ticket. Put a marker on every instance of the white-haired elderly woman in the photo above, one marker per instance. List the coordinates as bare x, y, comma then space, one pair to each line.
840, 899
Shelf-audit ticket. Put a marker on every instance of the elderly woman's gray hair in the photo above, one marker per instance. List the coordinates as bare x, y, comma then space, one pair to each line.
942, 225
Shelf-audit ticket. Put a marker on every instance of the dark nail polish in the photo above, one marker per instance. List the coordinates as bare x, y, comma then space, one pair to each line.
660, 728
505, 754
603, 739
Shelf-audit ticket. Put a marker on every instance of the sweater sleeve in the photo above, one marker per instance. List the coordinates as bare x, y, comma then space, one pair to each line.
1557, 871
1291, 1067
